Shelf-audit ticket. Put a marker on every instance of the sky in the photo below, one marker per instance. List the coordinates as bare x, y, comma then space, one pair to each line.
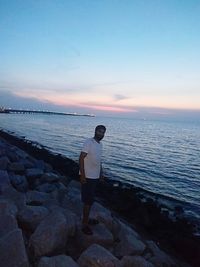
101, 56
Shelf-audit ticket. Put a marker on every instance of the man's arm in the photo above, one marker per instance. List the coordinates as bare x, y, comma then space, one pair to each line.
81, 167
101, 174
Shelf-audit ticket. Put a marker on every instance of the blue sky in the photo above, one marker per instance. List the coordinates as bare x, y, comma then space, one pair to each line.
101, 56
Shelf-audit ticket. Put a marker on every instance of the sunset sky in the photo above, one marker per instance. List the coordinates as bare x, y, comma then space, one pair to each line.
100, 55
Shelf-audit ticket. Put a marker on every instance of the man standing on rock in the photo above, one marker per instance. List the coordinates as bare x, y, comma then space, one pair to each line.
90, 173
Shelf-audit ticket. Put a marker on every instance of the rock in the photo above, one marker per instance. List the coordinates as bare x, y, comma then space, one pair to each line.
65, 180
50, 177
19, 182
13, 157
36, 198
135, 261
21, 153
8, 223
47, 188
4, 161
16, 167
159, 258
27, 163
74, 190
14, 196
32, 174
50, 235
4, 181
101, 235
129, 242
7, 207
31, 216
71, 220
48, 167
40, 164
13, 253
57, 261
103, 215
97, 256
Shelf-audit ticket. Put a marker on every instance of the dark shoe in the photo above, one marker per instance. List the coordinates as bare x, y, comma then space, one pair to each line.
86, 230
93, 221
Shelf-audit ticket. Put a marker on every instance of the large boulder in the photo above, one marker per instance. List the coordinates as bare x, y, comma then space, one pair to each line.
13, 253
101, 235
4, 162
97, 256
16, 167
129, 242
50, 235
57, 261
14, 196
34, 197
47, 188
7, 207
50, 177
8, 223
4, 181
32, 174
19, 182
31, 216
159, 258
135, 261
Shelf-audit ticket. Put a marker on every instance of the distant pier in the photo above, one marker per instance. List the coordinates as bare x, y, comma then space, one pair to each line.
47, 112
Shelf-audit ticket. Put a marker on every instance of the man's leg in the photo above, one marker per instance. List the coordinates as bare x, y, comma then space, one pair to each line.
86, 213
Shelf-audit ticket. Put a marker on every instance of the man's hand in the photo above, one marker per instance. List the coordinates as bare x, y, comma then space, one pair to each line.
83, 179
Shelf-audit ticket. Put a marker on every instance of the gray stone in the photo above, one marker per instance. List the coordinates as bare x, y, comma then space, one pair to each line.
50, 235
14, 196
47, 188
31, 216
97, 256
16, 167
57, 261
33, 173
159, 258
7, 207
21, 153
135, 261
36, 198
19, 182
4, 161
13, 157
101, 235
27, 163
50, 177
13, 253
40, 164
129, 242
7, 224
4, 181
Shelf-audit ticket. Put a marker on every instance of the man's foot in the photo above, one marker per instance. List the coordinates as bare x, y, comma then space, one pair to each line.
86, 230
93, 221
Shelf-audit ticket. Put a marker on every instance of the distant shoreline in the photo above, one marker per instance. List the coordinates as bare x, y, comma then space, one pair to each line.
46, 112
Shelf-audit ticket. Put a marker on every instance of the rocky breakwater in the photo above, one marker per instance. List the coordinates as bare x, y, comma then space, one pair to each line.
40, 222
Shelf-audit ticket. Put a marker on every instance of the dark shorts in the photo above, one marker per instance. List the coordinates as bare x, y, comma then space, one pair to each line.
88, 191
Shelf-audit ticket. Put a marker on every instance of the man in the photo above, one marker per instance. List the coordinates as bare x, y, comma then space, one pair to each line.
90, 173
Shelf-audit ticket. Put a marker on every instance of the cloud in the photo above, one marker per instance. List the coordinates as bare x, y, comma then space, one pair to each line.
119, 97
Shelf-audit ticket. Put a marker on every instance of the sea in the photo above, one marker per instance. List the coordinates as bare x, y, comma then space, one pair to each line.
160, 156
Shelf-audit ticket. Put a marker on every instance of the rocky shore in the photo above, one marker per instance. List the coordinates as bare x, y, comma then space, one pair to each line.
40, 217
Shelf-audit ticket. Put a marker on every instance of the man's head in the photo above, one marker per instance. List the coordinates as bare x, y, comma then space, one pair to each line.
99, 132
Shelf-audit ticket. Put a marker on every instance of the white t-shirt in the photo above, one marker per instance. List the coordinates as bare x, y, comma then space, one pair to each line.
92, 162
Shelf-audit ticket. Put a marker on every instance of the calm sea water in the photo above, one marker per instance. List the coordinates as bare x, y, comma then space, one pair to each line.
160, 156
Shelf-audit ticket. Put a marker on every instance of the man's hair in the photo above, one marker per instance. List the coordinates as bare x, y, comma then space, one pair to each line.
100, 127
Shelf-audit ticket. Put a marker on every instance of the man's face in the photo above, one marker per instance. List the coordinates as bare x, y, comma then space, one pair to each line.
99, 134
